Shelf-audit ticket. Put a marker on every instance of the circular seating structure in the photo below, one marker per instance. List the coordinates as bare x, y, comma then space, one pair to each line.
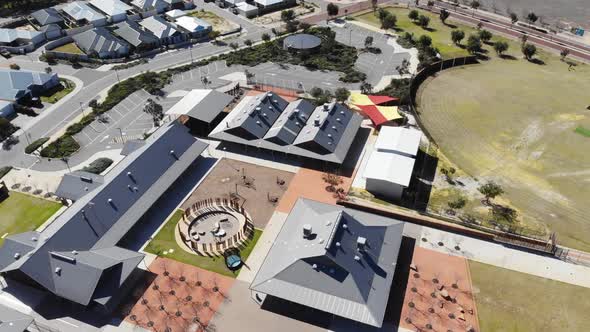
211, 226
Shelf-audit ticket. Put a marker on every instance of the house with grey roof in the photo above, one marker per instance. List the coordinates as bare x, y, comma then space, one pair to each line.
333, 259
159, 6
16, 85
299, 128
167, 32
47, 16
14, 321
77, 256
6, 109
194, 26
17, 37
115, 10
136, 36
51, 31
82, 14
75, 185
101, 42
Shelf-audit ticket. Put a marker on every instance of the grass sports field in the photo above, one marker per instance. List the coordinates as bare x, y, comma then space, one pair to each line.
21, 213
509, 301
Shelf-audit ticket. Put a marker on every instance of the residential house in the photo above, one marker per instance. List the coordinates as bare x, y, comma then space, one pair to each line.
101, 43
47, 16
139, 39
115, 10
18, 85
193, 26
82, 14
17, 37
167, 32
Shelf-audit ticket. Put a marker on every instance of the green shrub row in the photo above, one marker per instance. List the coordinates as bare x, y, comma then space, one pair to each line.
4, 170
62, 147
36, 144
98, 166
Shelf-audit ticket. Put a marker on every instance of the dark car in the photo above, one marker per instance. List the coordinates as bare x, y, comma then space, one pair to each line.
5, 54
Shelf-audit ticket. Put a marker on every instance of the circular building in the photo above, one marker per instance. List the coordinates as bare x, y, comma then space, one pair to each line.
302, 42
212, 226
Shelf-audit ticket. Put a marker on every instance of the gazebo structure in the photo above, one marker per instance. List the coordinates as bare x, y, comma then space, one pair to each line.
211, 226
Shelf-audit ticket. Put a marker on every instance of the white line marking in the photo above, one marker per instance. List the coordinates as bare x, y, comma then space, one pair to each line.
3, 236
63, 321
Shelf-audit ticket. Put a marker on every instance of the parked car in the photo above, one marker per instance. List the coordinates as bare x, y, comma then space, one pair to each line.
5, 54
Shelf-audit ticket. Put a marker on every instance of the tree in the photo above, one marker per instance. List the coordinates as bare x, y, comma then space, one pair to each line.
490, 190
529, 50
430, 3
374, 4
48, 70
424, 42
532, 18
304, 26
234, 46
368, 41
389, 21
265, 37
457, 203
155, 110
485, 35
213, 34
291, 26
6, 129
14, 66
413, 15
342, 94
475, 4
443, 15
513, 18
404, 67
93, 104
382, 13
366, 87
332, 180
473, 44
287, 15
564, 53
423, 21
332, 9
500, 47
457, 36
248, 42
316, 92
249, 76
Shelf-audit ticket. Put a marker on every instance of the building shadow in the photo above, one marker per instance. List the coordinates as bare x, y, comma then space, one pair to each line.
297, 311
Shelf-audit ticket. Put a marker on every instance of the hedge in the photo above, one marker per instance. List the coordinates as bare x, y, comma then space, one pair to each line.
98, 166
36, 144
64, 146
4, 170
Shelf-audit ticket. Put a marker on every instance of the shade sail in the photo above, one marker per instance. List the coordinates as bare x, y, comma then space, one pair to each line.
361, 99
380, 114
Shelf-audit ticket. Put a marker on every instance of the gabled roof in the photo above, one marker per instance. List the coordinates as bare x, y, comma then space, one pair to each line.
77, 184
99, 40
50, 27
81, 11
192, 24
175, 13
13, 321
159, 27
329, 270
268, 121
14, 84
10, 35
47, 16
150, 4
390, 167
111, 7
201, 104
268, 2
132, 33
399, 140
75, 257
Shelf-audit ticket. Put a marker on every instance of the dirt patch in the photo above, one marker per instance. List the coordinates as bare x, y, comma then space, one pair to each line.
218, 23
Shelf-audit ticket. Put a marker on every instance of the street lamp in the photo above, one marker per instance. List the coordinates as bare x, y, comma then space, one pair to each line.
117, 73
190, 49
82, 108
121, 133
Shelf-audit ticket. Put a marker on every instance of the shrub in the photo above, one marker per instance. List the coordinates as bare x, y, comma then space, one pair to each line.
14, 66
4, 170
64, 146
36, 144
98, 166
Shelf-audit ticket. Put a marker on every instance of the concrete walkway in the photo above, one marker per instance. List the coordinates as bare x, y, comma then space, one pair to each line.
501, 256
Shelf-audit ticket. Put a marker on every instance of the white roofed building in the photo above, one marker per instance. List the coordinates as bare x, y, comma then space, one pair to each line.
399, 140
116, 10
82, 14
195, 27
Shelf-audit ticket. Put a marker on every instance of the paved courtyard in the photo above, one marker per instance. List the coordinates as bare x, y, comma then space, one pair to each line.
258, 188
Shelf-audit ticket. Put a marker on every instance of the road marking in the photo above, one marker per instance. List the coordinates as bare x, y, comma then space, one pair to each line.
3, 236
104, 138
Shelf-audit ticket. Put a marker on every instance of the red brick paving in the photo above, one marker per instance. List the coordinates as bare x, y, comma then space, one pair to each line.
157, 308
448, 270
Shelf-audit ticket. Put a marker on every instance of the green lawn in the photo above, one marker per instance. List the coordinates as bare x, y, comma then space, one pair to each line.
583, 131
439, 32
509, 301
164, 241
21, 213
68, 48
56, 93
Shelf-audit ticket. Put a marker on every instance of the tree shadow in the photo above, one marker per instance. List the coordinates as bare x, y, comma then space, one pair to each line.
429, 29
537, 61
482, 57
452, 26
507, 57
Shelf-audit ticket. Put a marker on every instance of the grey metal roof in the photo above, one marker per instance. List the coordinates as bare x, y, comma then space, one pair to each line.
14, 84
10, 35
326, 134
131, 145
302, 41
77, 184
159, 27
47, 16
201, 104
146, 5
81, 11
50, 27
132, 33
111, 7
99, 40
13, 321
71, 254
327, 270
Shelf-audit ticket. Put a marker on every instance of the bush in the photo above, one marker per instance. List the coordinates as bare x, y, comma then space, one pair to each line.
64, 146
98, 166
4, 171
36, 144
6, 129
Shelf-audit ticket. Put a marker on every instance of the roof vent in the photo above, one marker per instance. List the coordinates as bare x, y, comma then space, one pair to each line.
321, 241
341, 112
34, 239
16, 255
329, 135
329, 143
269, 94
74, 252
58, 271
85, 188
263, 114
315, 266
173, 154
307, 231
345, 226
316, 122
296, 110
257, 122
110, 200
337, 244
338, 119
326, 107
129, 174
275, 101
334, 127
86, 179
270, 108
357, 258
361, 243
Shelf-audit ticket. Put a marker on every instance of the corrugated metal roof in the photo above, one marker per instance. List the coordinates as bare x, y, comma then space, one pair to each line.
398, 140
111, 7
75, 185
13, 321
390, 167
10, 35
327, 270
99, 40
81, 11
159, 27
192, 24
16, 83
132, 33
201, 104
47, 16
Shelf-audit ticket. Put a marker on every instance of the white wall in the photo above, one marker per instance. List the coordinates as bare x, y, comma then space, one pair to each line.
385, 189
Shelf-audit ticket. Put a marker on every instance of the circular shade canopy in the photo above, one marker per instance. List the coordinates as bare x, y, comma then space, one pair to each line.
302, 41
233, 261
